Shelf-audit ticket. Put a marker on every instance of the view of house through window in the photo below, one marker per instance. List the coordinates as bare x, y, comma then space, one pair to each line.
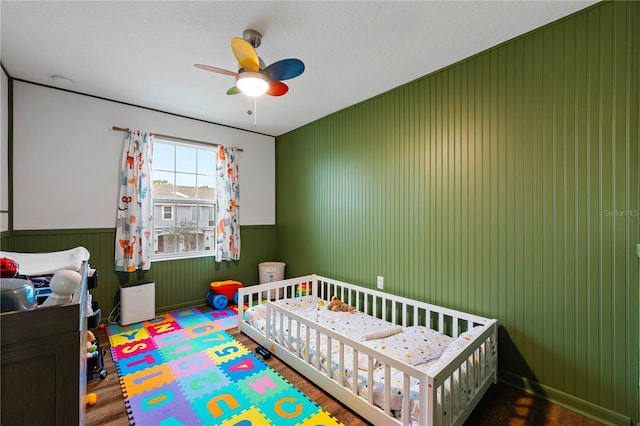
183, 191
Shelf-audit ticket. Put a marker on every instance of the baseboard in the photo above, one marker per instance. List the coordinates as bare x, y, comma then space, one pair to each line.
178, 306
570, 402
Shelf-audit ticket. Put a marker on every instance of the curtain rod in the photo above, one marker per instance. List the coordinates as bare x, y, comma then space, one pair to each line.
124, 129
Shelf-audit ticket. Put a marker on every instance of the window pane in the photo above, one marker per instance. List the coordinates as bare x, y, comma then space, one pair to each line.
163, 215
163, 156
165, 240
207, 226
206, 187
185, 186
185, 159
186, 231
162, 186
206, 162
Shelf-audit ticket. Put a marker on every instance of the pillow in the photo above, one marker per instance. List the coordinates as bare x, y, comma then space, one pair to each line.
463, 340
379, 333
415, 345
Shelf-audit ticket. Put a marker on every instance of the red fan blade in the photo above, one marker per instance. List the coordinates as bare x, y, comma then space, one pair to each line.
277, 88
216, 69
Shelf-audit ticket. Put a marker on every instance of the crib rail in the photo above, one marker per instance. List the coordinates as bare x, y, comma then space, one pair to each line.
397, 309
284, 326
449, 393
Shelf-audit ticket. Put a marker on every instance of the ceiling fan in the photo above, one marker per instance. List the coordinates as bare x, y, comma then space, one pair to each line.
253, 78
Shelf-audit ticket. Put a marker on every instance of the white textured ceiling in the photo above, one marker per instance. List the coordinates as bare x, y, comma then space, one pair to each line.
142, 52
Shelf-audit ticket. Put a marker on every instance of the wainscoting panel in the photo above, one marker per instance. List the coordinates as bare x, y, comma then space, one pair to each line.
179, 283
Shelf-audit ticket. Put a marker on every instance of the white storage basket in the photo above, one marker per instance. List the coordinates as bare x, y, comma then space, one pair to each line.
269, 272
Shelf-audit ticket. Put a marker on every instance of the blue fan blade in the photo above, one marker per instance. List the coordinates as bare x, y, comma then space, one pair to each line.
284, 69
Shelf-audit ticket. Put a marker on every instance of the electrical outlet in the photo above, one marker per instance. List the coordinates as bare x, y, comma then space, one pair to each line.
380, 282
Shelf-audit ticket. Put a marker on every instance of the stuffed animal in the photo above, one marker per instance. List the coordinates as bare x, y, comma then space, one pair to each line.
338, 305
92, 347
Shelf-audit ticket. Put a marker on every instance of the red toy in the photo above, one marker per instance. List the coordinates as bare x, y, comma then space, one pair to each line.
221, 292
8, 268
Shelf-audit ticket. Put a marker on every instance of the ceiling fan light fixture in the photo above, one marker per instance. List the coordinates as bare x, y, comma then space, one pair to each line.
252, 83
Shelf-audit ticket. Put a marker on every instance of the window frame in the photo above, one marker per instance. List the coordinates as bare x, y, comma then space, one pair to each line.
195, 204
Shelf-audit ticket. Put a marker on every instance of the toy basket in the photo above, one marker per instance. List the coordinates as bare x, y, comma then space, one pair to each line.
269, 272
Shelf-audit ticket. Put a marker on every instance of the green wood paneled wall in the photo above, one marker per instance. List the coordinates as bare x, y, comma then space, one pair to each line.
506, 185
179, 283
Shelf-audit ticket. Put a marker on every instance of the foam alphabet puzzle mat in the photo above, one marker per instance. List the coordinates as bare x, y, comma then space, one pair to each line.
183, 368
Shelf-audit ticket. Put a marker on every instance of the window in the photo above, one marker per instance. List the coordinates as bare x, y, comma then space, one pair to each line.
183, 192
167, 212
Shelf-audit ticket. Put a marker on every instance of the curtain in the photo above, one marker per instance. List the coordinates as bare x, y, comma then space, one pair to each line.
227, 207
134, 219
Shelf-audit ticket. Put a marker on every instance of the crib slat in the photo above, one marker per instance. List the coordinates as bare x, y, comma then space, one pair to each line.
405, 313
328, 356
387, 389
369, 381
354, 369
317, 351
340, 363
406, 399
307, 345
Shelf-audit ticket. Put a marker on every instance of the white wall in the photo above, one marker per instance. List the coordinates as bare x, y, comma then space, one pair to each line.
66, 158
4, 144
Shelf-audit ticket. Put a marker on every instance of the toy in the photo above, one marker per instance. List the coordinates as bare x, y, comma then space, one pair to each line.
95, 363
63, 284
91, 399
92, 348
221, 292
262, 351
303, 289
8, 268
338, 305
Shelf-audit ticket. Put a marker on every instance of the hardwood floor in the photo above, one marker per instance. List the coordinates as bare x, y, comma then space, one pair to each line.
501, 406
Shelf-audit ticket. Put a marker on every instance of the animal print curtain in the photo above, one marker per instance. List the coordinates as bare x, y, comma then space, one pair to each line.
227, 210
134, 241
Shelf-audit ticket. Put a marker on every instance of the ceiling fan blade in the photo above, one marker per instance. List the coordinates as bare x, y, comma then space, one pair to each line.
233, 91
284, 69
216, 69
245, 54
277, 88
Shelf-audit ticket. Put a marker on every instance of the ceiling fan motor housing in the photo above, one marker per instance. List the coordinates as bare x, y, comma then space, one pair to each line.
253, 37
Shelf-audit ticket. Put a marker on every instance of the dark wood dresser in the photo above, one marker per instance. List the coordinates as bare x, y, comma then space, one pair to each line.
43, 364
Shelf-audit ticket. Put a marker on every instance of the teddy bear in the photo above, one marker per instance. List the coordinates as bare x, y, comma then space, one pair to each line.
338, 305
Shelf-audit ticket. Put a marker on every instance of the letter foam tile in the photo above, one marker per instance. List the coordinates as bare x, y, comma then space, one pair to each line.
163, 328
127, 336
181, 368
226, 323
158, 319
132, 348
171, 338
139, 361
223, 313
167, 402
242, 367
